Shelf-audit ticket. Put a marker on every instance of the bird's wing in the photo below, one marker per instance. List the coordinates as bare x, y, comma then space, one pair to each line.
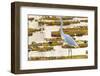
70, 40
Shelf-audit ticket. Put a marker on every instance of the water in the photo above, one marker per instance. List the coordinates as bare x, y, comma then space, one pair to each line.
36, 37
58, 52
39, 37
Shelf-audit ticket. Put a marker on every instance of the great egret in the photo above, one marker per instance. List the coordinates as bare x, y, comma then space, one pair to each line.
67, 38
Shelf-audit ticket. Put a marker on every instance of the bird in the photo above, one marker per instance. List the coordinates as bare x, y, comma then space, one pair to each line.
67, 38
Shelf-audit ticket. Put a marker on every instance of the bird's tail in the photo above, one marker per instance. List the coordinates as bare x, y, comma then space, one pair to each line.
77, 46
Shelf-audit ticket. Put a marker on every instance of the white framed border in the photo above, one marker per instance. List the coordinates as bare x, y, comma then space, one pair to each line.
25, 64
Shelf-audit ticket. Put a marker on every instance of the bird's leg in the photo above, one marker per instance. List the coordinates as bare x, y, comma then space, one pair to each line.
68, 52
71, 52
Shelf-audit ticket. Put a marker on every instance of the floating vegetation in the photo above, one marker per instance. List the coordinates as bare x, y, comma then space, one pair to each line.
57, 18
41, 49
59, 57
46, 46
80, 46
83, 20
31, 30
53, 39
30, 19
57, 23
76, 31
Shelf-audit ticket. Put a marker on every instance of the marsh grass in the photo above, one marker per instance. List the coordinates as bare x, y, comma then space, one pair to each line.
76, 31
60, 57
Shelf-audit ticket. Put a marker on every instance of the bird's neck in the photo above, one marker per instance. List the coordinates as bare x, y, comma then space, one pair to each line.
61, 27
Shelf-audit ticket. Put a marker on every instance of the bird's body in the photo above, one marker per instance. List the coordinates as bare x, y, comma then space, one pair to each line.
68, 39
